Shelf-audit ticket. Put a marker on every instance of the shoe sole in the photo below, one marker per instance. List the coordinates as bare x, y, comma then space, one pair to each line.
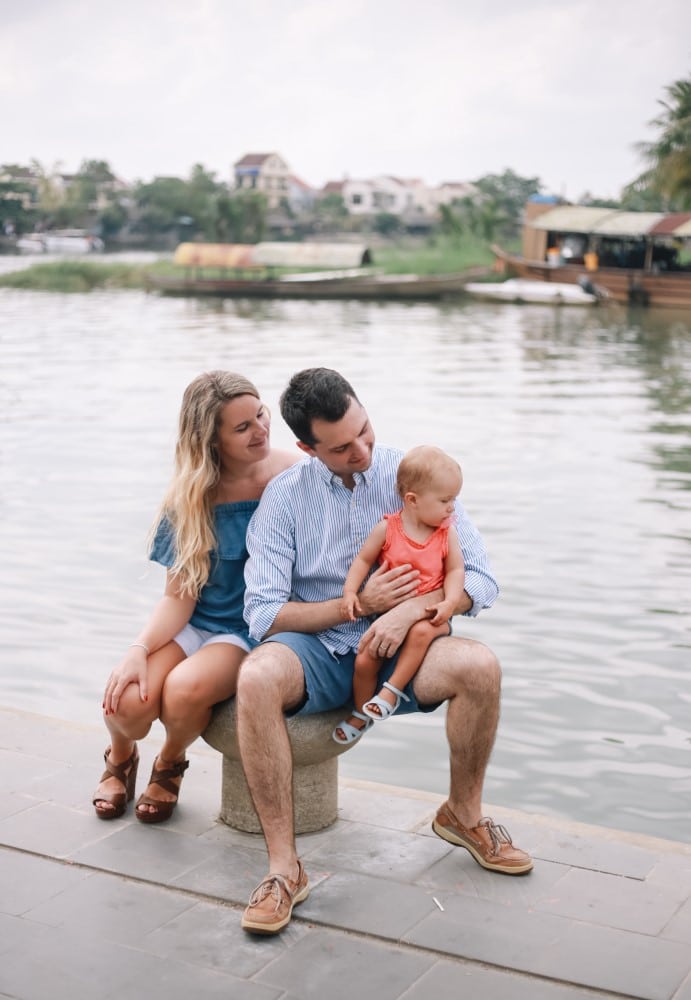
453, 838
257, 928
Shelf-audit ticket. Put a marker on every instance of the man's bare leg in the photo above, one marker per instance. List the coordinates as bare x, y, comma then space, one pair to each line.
271, 681
467, 675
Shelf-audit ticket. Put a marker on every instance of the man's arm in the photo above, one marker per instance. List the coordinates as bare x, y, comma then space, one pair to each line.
481, 589
269, 574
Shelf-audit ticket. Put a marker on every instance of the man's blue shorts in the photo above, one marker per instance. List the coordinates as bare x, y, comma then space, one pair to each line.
329, 676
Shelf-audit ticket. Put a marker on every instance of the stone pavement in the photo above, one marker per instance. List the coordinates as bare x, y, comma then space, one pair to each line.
92, 909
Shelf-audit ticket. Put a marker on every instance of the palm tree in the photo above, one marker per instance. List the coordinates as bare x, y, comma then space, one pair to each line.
669, 156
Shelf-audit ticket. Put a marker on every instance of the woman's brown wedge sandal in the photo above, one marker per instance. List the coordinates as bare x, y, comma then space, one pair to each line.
126, 773
161, 811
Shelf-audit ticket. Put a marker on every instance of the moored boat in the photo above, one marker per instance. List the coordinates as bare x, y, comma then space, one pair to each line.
318, 285
252, 270
60, 241
633, 256
521, 290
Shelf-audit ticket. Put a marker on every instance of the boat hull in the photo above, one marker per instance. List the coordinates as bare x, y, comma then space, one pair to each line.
371, 287
522, 290
671, 289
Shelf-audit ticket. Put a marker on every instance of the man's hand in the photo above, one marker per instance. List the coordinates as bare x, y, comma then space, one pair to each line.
386, 634
386, 588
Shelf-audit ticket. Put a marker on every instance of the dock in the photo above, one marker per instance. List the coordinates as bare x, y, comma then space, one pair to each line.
124, 910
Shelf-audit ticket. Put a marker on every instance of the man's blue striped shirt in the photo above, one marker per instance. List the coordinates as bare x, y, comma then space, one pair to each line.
308, 528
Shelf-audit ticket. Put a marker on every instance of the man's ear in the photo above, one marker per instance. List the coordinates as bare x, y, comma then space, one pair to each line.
306, 448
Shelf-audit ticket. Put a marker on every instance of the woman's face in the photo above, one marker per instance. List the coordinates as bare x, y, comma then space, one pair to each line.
243, 431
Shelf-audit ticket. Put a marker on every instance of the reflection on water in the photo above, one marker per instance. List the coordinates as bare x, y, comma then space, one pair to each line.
574, 431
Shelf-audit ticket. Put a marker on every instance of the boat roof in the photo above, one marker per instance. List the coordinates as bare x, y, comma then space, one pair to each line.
242, 255
611, 222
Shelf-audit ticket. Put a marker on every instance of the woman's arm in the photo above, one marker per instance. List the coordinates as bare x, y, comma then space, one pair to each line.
168, 617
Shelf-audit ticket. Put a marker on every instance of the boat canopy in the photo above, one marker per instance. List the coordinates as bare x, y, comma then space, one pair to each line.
222, 255
312, 254
242, 255
608, 222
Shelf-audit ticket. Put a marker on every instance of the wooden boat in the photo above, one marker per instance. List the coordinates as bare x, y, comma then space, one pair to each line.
522, 290
632, 256
626, 285
353, 283
60, 241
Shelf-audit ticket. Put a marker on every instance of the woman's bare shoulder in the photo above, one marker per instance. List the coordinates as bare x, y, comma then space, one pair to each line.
281, 460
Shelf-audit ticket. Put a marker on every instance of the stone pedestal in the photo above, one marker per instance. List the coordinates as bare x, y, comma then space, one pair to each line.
315, 769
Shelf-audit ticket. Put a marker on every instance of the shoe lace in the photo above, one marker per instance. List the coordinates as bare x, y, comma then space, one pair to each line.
498, 834
272, 885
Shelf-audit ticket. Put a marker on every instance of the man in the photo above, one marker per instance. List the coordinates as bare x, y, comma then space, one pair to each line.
311, 521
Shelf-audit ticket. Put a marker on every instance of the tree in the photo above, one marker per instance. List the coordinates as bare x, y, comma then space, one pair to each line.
331, 213
508, 191
50, 194
386, 224
17, 196
669, 157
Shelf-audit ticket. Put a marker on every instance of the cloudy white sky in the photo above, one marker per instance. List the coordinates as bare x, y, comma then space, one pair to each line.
436, 89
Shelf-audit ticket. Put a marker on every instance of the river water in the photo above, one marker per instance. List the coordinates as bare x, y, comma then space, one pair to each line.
573, 427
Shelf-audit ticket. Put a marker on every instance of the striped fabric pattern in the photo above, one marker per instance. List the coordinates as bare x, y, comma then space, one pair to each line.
309, 527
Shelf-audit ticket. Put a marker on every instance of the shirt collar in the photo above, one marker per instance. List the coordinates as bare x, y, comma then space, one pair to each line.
332, 480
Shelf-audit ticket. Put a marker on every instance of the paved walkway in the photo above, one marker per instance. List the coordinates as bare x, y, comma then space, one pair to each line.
97, 910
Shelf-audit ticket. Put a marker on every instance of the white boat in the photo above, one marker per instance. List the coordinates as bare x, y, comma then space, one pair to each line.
523, 290
60, 241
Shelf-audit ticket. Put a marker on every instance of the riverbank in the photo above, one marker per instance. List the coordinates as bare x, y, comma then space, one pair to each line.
82, 274
116, 909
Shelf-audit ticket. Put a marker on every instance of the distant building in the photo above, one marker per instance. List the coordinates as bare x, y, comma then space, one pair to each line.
265, 172
300, 196
413, 201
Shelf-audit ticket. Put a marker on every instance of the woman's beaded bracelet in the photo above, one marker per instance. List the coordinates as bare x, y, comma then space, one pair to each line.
141, 646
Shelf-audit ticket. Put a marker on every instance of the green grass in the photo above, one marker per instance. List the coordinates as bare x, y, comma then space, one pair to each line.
438, 255
74, 276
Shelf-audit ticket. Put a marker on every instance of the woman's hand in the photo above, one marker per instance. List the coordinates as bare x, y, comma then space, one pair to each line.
386, 588
131, 670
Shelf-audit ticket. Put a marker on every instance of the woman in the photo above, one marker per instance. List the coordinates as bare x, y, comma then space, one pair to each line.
187, 657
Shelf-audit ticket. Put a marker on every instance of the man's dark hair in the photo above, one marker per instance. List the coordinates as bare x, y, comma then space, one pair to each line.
315, 394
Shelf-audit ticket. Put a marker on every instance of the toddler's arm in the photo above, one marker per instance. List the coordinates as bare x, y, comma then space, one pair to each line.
454, 582
359, 568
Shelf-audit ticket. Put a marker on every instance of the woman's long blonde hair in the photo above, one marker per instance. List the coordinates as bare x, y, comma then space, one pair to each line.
188, 502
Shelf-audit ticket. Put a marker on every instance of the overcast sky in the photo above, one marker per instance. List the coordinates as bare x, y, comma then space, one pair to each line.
436, 89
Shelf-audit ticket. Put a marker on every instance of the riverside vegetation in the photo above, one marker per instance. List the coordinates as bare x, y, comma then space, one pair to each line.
443, 255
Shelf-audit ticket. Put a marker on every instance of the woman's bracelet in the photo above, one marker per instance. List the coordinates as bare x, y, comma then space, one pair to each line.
141, 646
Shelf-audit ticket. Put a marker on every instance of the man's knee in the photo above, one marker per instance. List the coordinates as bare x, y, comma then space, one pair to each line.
270, 674
458, 666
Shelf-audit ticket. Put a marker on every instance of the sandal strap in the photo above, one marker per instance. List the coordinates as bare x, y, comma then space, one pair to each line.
399, 694
119, 771
164, 777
